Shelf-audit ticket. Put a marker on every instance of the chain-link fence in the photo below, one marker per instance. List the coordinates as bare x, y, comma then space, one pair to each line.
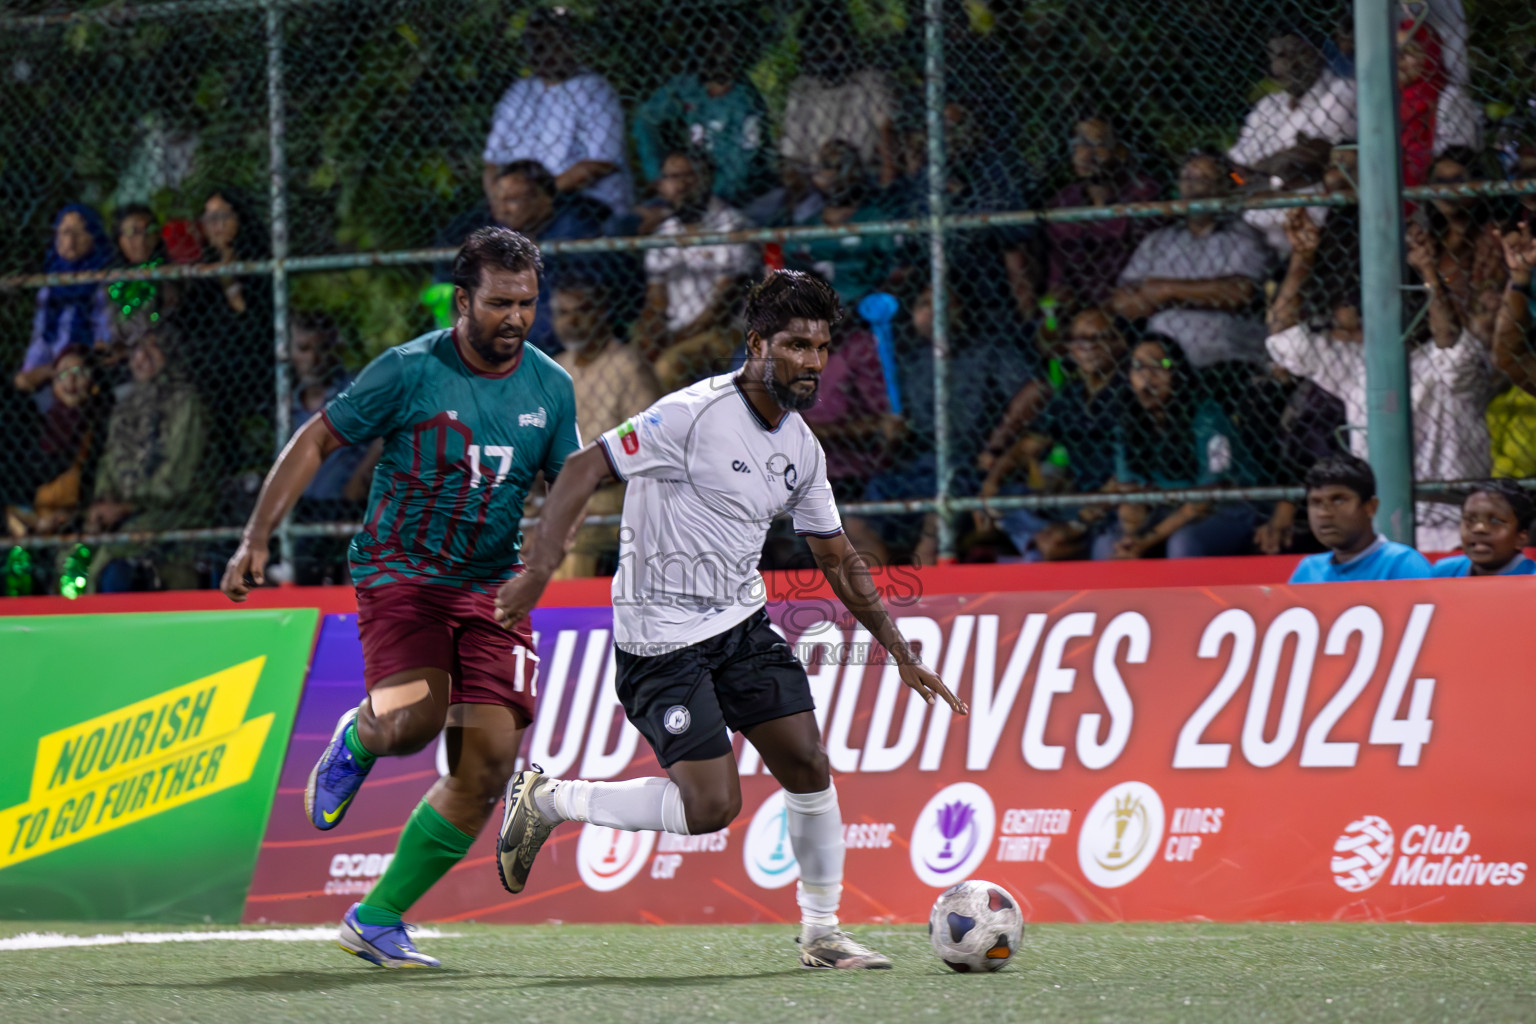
1141, 215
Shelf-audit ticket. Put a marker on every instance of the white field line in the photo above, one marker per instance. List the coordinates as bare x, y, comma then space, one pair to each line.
56, 940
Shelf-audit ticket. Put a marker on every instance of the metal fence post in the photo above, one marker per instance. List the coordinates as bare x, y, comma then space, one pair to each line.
282, 415
933, 78
1389, 426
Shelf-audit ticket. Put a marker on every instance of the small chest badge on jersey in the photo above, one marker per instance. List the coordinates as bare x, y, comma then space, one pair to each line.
538, 419
677, 720
631, 442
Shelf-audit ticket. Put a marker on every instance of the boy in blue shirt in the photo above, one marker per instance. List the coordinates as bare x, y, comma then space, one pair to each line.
1341, 502
1495, 526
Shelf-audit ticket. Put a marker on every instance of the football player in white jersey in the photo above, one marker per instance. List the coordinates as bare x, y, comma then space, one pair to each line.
709, 467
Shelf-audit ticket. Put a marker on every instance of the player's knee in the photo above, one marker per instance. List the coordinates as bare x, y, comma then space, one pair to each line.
711, 811
810, 773
408, 730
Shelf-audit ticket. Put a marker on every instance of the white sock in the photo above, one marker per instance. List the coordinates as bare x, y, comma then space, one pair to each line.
816, 835
651, 804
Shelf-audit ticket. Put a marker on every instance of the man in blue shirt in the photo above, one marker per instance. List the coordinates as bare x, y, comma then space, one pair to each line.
1341, 503
1495, 527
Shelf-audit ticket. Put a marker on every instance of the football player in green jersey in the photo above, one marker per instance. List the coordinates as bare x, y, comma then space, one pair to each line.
468, 416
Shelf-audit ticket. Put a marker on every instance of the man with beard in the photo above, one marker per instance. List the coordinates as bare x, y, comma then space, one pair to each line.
709, 467
1287, 135
691, 291
468, 417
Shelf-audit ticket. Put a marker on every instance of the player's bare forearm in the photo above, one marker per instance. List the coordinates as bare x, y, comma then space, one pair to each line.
849, 577
295, 467
582, 474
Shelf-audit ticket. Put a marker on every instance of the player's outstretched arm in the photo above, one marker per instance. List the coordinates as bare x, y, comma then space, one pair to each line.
582, 474
295, 467
849, 576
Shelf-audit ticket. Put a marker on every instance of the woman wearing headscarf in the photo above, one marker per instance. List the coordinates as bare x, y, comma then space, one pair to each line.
67, 314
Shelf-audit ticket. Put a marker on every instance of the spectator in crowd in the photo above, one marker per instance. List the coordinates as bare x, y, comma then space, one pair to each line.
835, 98
1495, 530
613, 382
1434, 113
1086, 257
1287, 135
1513, 354
139, 247
63, 462
1340, 176
1311, 428
1512, 415
852, 415
1000, 262
227, 338
1448, 379
526, 198
691, 292
563, 115
149, 477
1174, 437
1081, 421
339, 491
715, 110
67, 314
314, 364
1341, 506
1197, 282
855, 264
983, 371
1464, 243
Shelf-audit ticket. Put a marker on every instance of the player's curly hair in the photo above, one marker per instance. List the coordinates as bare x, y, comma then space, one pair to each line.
785, 295
498, 247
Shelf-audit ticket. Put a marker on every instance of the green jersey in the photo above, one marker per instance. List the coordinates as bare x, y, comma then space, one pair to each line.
461, 449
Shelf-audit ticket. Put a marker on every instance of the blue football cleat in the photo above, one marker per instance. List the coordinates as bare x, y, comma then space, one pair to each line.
335, 780
386, 945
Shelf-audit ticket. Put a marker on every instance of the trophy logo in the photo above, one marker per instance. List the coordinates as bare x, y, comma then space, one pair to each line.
607, 858
1120, 834
766, 852
952, 834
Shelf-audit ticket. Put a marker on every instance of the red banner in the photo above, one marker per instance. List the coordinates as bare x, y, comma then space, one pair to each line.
1348, 751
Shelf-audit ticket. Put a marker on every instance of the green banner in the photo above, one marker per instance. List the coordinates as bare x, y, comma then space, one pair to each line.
141, 755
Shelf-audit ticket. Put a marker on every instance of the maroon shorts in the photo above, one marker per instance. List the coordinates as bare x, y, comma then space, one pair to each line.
409, 624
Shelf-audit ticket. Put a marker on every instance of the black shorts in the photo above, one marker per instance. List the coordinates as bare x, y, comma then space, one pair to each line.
683, 701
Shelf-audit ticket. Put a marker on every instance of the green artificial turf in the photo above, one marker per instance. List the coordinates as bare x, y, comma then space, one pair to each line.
1234, 974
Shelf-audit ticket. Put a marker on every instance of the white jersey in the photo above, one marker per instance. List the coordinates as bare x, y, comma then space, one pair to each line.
706, 478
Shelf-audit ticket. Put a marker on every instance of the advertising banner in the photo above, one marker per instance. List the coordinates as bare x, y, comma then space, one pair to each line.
142, 752
1339, 752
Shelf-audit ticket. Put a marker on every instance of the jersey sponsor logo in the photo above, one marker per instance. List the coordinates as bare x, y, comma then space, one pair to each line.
1120, 834
533, 419
628, 438
740, 467
766, 852
607, 858
952, 834
138, 761
677, 720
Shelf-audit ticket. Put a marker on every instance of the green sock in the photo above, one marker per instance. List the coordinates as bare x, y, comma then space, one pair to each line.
355, 744
429, 846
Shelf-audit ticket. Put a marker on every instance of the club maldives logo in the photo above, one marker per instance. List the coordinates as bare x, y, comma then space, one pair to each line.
608, 858
769, 858
1120, 834
952, 834
1361, 855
